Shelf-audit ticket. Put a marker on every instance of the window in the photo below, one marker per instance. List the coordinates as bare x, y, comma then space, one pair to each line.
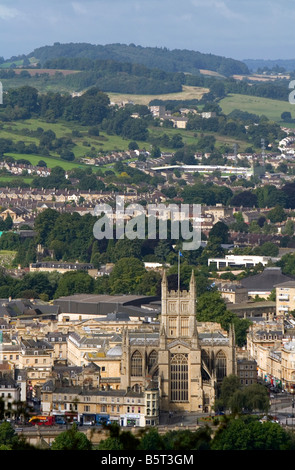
136, 364
152, 360
179, 377
220, 365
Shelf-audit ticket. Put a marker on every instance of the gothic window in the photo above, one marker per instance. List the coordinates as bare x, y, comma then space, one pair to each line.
172, 326
205, 358
152, 359
179, 377
220, 365
136, 364
184, 327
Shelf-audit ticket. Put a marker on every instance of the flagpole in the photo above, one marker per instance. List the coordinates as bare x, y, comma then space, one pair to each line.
178, 271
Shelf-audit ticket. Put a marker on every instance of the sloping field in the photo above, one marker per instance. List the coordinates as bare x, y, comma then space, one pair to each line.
187, 93
260, 106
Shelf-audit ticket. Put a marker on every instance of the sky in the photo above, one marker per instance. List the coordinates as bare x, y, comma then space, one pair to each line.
240, 29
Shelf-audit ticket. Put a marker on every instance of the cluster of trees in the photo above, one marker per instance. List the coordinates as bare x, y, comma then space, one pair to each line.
121, 122
119, 77
267, 196
168, 60
234, 125
277, 90
25, 102
244, 433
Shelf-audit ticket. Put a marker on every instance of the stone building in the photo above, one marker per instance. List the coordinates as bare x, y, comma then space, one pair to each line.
186, 359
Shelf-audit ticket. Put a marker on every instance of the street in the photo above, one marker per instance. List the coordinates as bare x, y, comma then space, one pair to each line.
282, 408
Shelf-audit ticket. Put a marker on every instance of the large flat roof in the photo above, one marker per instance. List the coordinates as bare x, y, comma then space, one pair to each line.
102, 304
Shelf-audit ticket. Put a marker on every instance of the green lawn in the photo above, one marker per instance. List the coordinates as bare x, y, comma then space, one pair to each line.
51, 162
18, 130
260, 106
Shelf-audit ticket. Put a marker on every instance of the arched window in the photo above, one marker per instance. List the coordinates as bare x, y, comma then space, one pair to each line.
136, 364
220, 365
179, 377
152, 359
206, 359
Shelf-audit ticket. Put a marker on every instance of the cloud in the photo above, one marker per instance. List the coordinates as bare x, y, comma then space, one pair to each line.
218, 7
79, 8
7, 13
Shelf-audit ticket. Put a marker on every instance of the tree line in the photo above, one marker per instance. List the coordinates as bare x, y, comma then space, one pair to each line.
176, 60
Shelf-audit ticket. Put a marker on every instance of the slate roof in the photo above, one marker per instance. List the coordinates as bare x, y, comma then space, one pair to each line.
96, 304
266, 280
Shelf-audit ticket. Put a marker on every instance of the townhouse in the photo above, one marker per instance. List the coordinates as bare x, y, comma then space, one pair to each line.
92, 405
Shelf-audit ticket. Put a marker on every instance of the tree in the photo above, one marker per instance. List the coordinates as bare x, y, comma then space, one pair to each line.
289, 228
150, 283
44, 223
244, 199
186, 440
213, 249
277, 214
267, 249
10, 440
220, 230
237, 399
151, 440
8, 223
248, 433
230, 385
256, 398
126, 276
71, 439
286, 116
76, 282
119, 440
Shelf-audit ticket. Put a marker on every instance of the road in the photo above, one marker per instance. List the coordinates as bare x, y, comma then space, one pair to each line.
282, 407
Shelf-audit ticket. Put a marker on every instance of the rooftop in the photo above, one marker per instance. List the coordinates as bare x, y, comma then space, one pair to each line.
266, 281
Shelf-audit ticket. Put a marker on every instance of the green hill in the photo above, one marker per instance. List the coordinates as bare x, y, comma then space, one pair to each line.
176, 60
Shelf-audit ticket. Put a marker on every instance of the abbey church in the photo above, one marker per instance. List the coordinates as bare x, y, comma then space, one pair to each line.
183, 359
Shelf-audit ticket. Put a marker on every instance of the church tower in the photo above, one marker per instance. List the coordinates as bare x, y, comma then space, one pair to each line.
179, 359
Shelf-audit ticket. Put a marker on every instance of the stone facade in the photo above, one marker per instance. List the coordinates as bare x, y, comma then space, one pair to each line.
187, 360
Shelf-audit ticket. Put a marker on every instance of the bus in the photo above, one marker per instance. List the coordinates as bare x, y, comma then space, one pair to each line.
42, 420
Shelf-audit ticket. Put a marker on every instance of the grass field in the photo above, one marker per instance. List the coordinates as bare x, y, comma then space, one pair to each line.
260, 106
187, 93
18, 131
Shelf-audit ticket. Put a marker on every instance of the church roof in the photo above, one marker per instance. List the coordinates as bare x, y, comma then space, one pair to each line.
266, 280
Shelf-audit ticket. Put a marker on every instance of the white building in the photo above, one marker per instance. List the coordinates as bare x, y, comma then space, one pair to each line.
240, 260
